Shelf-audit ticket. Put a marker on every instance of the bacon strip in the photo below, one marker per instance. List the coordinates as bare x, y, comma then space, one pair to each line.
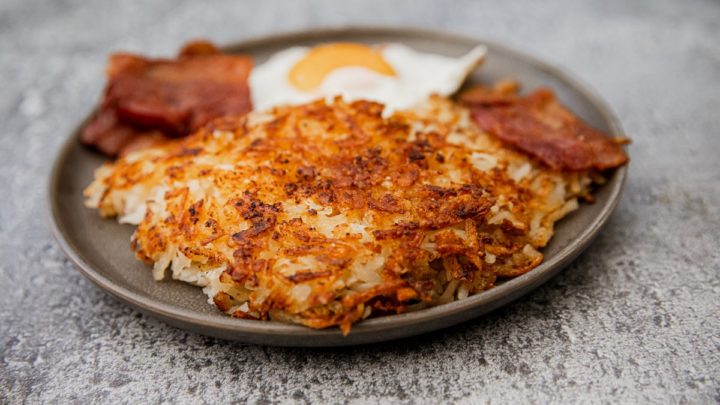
147, 100
540, 126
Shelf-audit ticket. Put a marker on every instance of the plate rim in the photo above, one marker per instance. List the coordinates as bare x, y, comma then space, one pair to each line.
366, 331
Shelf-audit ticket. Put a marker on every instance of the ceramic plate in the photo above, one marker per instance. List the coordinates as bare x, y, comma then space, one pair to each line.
100, 247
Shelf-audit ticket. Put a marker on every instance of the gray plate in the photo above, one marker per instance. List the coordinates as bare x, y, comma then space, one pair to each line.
100, 248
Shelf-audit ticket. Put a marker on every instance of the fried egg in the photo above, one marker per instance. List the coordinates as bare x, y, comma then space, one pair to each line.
393, 74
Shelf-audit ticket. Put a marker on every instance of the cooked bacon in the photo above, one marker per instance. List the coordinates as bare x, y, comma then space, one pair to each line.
146, 97
540, 126
111, 137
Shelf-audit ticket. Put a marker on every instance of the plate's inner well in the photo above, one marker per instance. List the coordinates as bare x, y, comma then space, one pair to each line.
101, 246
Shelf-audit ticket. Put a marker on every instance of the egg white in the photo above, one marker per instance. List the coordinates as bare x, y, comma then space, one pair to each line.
418, 75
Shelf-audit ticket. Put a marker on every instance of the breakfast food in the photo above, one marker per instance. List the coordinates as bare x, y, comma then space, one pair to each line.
333, 210
393, 74
540, 126
149, 100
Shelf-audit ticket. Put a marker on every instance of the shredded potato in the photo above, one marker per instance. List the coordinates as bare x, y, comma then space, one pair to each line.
326, 213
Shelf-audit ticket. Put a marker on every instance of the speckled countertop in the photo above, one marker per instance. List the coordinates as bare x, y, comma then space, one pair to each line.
635, 319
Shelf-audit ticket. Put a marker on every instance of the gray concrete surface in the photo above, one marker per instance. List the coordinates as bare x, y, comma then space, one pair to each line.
636, 319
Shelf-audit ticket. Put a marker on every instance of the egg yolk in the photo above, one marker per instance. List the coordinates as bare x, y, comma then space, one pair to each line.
310, 71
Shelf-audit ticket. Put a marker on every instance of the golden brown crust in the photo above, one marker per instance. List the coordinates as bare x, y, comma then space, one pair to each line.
324, 214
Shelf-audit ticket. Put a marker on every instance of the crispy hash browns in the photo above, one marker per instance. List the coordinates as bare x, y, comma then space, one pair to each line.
327, 213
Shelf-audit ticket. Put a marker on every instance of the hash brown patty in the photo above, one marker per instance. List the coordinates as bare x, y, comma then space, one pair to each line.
327, 213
